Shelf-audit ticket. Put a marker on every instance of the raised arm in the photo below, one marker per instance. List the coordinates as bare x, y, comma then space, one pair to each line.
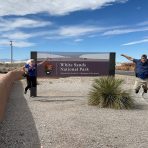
41, 63
127, 57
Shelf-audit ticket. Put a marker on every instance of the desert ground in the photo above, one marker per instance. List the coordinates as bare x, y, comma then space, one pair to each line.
6, 67
61, 118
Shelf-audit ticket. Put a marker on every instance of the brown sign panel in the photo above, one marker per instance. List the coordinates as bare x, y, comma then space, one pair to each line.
74, 68
76, 64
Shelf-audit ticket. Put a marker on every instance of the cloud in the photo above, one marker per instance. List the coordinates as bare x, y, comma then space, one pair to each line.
92, 36
74, 31
143, 23
78, 40
19, 35
139, 8
16, 36
124, 31
53, 7
15, 23
20, 44
77, 31
136, 42
119, 30
4, 42
10, 29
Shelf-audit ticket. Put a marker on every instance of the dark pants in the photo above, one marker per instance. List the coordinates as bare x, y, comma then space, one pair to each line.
31, 82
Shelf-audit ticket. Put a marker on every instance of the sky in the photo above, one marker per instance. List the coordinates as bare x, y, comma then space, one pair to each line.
119, 26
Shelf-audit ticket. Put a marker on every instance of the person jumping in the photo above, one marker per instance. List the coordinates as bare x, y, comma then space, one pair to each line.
141, 72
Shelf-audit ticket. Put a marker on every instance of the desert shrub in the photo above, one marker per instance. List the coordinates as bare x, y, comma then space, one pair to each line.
107, 92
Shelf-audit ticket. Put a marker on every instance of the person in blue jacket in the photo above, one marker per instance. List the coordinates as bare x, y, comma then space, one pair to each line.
31, 73
141, 72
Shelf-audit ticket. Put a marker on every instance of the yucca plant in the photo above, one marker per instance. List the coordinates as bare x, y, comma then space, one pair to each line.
107, 92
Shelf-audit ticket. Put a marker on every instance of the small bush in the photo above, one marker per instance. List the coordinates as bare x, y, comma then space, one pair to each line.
107, 92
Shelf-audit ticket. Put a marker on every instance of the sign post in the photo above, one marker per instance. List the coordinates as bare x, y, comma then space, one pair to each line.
112, 63
11, 45
33, 90
66, 64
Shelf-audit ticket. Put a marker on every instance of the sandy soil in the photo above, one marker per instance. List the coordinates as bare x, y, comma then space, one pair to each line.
60, 118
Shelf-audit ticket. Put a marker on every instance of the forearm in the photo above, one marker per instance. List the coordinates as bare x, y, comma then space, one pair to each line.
127, 57
42, 62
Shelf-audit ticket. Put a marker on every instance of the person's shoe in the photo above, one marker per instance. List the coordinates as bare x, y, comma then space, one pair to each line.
145, 90
25, 92
136, 91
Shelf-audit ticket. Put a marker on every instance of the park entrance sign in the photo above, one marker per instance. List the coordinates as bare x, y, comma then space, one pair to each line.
65, 64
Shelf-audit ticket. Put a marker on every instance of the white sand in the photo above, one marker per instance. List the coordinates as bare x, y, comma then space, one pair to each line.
60, 118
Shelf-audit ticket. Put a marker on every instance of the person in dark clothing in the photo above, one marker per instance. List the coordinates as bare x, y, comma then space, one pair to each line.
31, 73
141, 72
31, 82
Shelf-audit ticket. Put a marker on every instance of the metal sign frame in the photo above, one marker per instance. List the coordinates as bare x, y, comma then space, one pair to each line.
111, 67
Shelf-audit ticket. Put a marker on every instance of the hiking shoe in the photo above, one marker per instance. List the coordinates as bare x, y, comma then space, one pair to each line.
136, 91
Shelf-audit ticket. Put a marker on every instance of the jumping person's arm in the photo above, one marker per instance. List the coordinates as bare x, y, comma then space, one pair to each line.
42, 62
127, 57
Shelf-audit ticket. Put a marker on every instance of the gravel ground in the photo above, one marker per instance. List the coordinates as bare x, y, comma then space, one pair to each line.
60, 118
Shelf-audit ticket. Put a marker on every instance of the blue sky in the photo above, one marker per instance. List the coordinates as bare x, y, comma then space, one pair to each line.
119, 26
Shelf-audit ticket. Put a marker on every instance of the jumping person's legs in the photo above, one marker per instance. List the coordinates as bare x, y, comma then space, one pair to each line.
144, 86
137, 85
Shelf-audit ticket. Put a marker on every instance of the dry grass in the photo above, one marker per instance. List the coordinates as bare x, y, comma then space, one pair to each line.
6, 67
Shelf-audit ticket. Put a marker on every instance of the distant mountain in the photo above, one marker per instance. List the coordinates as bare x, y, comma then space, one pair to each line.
15, 61
5, 60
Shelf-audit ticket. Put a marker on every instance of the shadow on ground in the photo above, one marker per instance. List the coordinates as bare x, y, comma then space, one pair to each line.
18, 130
57, 98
